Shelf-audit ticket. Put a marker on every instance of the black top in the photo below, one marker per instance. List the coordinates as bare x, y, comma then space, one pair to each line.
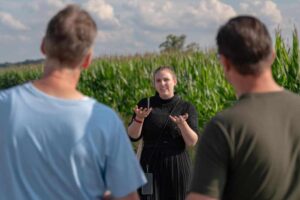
158, 129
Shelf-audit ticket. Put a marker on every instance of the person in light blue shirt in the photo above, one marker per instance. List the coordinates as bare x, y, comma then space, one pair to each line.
56, 143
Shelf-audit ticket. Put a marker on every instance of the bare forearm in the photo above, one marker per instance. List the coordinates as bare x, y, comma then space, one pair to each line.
189, 136
135, 129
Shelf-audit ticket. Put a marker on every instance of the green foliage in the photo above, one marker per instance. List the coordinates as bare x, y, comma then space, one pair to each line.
17, 75
286, 65
192, 47
173, 43
121, 82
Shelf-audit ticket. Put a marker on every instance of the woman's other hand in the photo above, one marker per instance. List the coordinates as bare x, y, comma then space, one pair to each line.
190, 137
180, 119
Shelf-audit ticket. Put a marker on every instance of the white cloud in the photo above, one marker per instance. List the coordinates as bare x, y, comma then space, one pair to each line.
267, 10
167, 6
211, 11
103, 36
170, 15
8, 20
135, 25
158, 15
244, 6
114, 36
271, 10
119, 42
102, 10
57, 3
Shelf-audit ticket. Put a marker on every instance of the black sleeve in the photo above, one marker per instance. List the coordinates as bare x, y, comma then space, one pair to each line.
135, 139
193, 118
211, 162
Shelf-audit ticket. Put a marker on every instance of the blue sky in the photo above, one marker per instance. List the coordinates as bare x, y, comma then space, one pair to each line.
136, 26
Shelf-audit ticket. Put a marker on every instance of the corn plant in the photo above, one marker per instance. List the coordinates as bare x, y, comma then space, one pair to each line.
120, 81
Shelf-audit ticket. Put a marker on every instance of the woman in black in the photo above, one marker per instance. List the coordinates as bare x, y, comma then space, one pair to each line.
167, 124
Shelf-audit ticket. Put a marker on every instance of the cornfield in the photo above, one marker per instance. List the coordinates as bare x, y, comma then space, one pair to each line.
121, 81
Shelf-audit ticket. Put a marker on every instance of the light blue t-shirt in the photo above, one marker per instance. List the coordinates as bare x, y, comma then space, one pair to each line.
52, 148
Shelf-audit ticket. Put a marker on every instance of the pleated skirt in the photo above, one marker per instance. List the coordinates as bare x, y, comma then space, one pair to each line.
171, 173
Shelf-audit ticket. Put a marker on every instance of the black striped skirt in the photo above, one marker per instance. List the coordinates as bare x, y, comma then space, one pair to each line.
171, 169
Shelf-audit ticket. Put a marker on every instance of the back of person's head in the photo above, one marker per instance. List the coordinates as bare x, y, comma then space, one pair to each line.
70, 35
245, 41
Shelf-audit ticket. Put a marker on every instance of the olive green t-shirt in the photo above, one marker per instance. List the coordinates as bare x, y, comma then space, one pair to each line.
251, 150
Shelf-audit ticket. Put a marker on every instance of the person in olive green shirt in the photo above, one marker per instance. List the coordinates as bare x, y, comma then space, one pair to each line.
251, 150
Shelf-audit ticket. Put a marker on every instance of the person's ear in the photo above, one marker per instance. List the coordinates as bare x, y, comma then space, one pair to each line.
42, 47
225, 63
273, 55
175, 81
87, 60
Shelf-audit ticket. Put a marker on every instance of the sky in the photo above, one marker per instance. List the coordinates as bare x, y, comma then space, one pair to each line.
137, 26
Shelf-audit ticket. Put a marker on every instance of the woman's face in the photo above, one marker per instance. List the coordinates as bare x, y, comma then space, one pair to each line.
164, 83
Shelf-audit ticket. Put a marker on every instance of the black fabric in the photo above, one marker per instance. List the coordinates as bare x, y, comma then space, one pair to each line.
164, 151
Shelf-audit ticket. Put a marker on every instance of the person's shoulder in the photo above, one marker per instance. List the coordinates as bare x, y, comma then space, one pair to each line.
290, 102
5, 94
186, 103
229, 116
103, 109
253, 104
289, 95
220, 118
105, 119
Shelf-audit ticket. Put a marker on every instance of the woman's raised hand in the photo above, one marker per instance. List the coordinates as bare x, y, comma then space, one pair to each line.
141, 113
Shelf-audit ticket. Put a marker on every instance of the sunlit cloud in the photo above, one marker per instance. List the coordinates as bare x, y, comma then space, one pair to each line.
267, 10
9, 21
102, 10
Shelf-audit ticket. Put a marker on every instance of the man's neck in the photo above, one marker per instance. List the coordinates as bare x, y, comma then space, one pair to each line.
60, 82
263, 83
